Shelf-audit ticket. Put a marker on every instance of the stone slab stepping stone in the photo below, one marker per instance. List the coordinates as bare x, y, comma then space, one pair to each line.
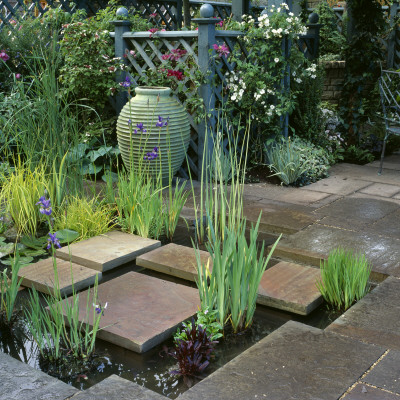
290, 287
142, 311
286, 286
175, 260
41, 276
366, 392
107, 251
386, 374
20, 381
375, 318
294, 362
276, 219
117, 388
315, 243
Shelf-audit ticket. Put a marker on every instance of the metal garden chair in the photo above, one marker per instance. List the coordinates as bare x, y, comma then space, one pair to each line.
389, 87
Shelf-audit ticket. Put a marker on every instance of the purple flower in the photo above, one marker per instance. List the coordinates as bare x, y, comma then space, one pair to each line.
161, 122
152, 155
52, 240
222, 50
129, 122
99, 309
126, 83
18, 76
45, 205
140, 128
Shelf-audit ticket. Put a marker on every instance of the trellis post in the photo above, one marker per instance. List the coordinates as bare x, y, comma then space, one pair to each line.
391, 43
120, 27
206, 39
239, 8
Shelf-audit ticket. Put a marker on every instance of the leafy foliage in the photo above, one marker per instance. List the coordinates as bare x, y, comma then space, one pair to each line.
344, 278
194, 352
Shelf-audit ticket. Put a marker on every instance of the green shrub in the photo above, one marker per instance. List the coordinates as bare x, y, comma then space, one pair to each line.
344, 278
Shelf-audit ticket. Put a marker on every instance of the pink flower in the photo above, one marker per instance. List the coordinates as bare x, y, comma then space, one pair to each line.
222, 50
18, 76
153, 31
178, 74
153, 15
220, 23
4, 56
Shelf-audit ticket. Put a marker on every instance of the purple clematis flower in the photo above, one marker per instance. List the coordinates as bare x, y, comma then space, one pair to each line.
52, 240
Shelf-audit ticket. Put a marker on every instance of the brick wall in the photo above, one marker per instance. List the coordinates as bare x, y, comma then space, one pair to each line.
334, 76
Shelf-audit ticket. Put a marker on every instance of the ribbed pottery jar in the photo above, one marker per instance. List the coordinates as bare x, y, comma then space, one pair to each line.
153, 129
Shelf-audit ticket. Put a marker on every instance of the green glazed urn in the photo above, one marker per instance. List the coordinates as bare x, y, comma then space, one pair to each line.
153, 129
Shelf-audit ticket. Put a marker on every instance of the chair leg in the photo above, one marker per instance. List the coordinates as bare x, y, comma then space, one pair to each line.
382, 155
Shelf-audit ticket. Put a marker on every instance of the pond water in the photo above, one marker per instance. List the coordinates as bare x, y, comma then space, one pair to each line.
152, 369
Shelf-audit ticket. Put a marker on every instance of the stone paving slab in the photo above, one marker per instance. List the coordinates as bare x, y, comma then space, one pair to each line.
175, 260
386, 374
355, 213
275, 219
41, 276
107, 251
294, 362
366, 392
19, 381
117, 388
364, 173
381, 189
388, 226
375, 318
142, 311
290, 287
315, 242
338, 185
389, 162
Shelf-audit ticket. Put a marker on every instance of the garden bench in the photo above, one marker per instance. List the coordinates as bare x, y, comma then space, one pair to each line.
389, 87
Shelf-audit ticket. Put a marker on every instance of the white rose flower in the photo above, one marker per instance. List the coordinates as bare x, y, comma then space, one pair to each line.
276, 59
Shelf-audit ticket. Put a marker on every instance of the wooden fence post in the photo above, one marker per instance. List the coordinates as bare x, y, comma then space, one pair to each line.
391, 43
206, 39
120, 27
239, 8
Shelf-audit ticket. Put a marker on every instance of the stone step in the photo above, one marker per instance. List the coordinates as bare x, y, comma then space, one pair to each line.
375, 318
20, 381
315, 242
107, 251
116, 388
294, 362
142, 311
71, 276
286, 286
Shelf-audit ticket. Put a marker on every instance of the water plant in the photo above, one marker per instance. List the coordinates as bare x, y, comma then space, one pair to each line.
8, 292
231, 287
194, 352
344, 278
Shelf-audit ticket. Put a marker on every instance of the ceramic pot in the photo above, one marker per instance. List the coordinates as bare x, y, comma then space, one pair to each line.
153, 129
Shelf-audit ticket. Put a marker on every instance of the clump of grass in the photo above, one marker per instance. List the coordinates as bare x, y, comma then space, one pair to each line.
88, 217
344, 278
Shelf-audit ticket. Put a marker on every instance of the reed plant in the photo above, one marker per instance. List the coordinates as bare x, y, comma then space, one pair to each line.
8, 292
344, 278
231, 287
87, 216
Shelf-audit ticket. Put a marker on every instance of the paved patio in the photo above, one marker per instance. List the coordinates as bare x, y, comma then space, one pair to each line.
356, 357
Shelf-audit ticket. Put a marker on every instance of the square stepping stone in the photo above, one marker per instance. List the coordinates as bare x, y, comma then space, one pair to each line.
174, 260
293, 362
107, 251
366, 392
41, 276
142, 311
375, 318
290, 287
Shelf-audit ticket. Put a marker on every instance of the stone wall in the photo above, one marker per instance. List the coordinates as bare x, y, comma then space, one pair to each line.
334, 76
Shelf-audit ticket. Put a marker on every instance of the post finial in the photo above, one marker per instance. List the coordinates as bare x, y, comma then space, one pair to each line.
122, 12
206, 11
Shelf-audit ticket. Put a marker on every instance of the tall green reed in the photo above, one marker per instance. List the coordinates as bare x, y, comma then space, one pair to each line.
344, 278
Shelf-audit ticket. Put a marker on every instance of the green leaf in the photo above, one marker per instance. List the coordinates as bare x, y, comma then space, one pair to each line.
67, 235
6, 249
22, 260
34, 243
32, 252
